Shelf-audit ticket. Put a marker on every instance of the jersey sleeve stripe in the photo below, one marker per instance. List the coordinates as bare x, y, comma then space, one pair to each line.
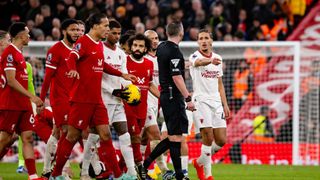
9, 68
75, 54
52, 67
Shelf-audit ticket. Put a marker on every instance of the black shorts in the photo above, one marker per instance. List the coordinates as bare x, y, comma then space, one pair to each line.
174, 112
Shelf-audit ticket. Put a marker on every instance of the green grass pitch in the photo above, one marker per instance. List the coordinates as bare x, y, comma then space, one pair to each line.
220, 172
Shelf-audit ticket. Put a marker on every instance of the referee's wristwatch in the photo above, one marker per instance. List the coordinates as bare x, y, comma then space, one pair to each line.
188, 99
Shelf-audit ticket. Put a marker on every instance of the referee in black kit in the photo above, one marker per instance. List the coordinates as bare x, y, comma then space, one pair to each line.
173, 96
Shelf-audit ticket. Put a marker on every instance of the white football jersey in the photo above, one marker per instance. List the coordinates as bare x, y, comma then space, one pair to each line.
205, 78
118, 60
152, 100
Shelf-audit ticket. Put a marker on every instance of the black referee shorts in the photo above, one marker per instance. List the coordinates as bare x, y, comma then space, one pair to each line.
174, 112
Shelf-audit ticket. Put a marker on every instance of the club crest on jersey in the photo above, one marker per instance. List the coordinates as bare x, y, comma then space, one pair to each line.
78, 47
175, 62
10, 58
100, 61
49, 58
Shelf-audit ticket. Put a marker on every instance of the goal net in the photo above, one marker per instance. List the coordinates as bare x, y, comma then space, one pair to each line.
279, 80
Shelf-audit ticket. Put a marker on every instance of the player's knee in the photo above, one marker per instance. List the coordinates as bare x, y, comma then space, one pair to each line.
73, 136
27, 138
155, 134
221, 141
105, 135
135, 139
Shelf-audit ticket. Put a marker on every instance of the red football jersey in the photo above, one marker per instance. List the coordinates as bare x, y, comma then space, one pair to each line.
89, 58
12, 59
60, 84
143, 70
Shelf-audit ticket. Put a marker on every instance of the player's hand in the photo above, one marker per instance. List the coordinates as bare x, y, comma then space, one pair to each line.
226, 111
73, 74
215, 61
38, 102
121, 93
134, 103
190, 106
129, 77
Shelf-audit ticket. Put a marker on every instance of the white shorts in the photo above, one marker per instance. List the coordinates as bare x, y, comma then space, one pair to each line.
190, 121
116, 113
209, 115
152, 115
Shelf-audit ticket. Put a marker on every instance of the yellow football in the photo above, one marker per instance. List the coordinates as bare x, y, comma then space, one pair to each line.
134, 93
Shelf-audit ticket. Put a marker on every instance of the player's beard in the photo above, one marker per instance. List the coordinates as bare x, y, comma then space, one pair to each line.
137, 56
69, 38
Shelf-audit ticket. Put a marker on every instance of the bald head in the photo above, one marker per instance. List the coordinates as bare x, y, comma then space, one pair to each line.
153, 36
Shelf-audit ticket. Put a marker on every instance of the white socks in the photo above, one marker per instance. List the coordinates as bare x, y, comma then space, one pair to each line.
205, 159
184, 163
51, 148
87, 152
127, 153
215, 148
160, 159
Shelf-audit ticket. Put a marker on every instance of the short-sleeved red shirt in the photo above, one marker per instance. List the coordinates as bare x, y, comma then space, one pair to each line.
12, 59
143, 70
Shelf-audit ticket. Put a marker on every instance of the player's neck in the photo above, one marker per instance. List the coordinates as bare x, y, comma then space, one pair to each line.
175, 39
69, 44
206, 53
18, 44
93, 36
109, 45
152, 53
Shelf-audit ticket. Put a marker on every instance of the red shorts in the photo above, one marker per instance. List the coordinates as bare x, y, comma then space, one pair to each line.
82, 115
60, 114
16, 121
135, 124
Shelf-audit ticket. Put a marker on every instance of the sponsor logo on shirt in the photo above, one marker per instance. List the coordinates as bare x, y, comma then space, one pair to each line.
140, 81
210, 74
175, 62
10, 58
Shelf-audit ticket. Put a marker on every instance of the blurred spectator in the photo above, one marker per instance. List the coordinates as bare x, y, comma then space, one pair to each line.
263, 13
56, 22
45, 19
56, 34
227, 37
33, 10
90, 8
72, 12
140, 28
263, 130
61, 11
242, 85
216, 16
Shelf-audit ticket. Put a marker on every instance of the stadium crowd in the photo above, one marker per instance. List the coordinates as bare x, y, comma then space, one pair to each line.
228, 20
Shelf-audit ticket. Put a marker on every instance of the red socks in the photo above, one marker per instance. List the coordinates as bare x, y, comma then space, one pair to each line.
108, 156
31, 166
136, 152
63, 153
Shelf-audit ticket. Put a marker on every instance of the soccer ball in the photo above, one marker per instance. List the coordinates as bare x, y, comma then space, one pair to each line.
134, 93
